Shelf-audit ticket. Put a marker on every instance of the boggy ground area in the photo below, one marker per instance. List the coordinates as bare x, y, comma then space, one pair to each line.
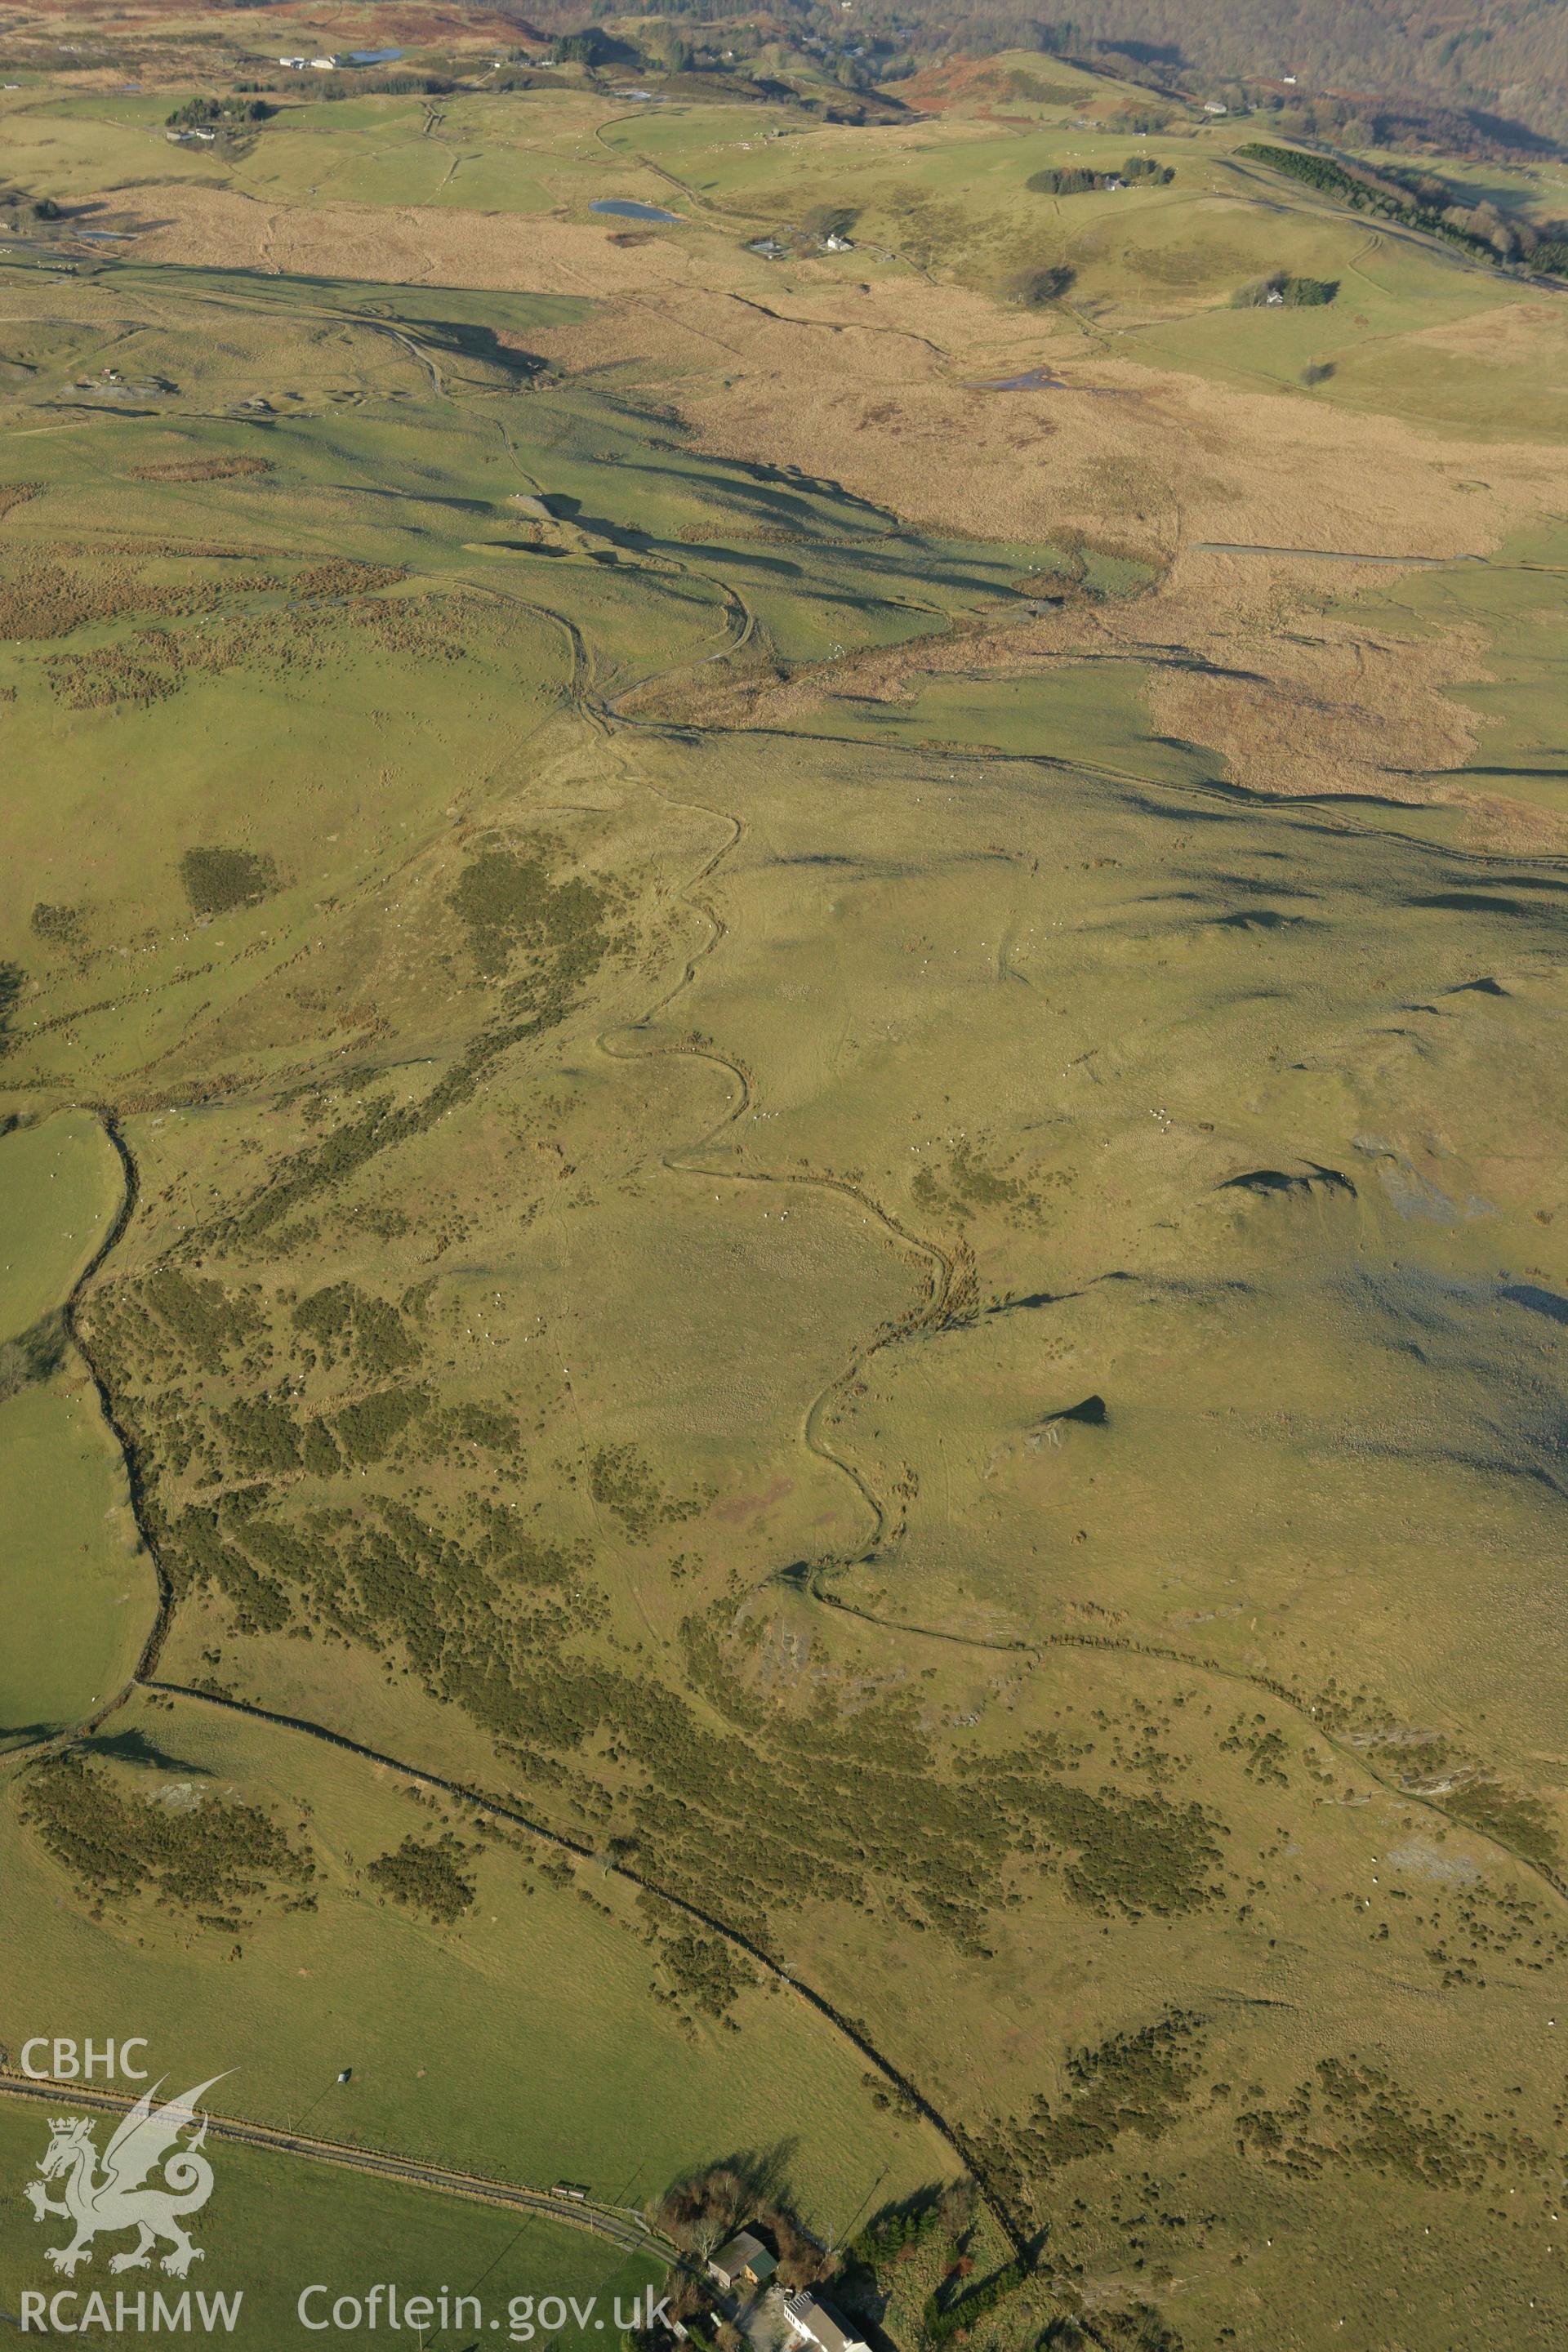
783, 1159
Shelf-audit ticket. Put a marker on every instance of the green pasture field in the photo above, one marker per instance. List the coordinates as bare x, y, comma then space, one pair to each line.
60, 1189
1517, 603
79, 1586
1533, 189
532, 2040
276, 2224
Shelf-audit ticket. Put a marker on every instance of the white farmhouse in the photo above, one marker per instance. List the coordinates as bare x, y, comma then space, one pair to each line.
819, 2324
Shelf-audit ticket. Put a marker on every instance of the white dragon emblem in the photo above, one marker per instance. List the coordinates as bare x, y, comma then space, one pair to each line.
116, 2199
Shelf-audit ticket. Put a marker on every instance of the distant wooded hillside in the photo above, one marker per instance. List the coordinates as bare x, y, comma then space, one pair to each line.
1508, 59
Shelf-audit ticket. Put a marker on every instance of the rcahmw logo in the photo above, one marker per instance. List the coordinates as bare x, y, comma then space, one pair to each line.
141, 2313
151, 2177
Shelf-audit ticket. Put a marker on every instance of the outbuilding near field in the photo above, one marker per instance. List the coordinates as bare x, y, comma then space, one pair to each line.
745, 2261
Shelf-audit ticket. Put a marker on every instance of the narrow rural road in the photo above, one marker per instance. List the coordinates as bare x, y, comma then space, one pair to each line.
636, 2236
